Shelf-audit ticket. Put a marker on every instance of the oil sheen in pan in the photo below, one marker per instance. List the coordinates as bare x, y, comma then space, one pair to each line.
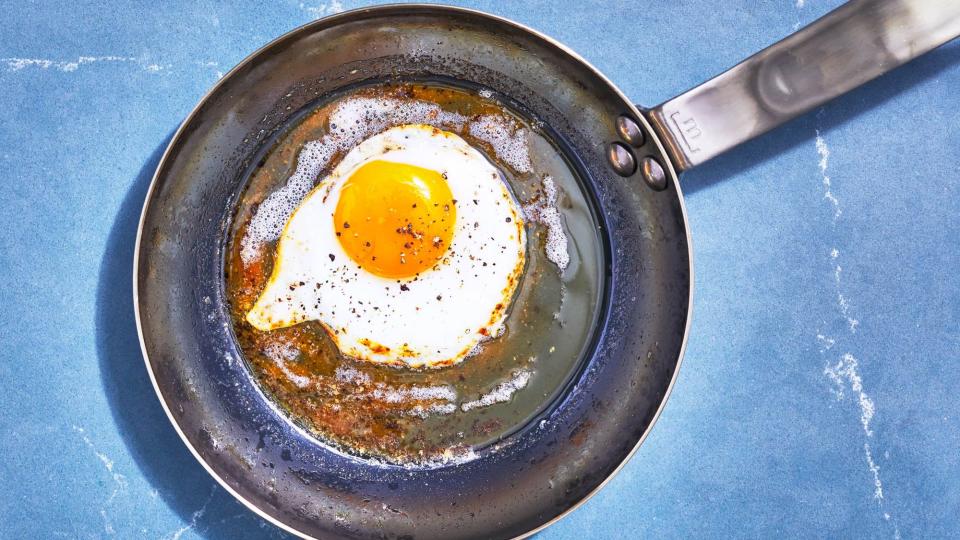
426, 417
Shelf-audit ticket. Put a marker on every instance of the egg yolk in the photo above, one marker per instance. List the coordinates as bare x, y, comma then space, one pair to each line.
395, 220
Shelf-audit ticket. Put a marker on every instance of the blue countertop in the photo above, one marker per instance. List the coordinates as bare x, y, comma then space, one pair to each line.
818, 393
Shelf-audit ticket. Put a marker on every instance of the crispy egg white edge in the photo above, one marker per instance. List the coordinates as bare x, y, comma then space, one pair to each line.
473, 302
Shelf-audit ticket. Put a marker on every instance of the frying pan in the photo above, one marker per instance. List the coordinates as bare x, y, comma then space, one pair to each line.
628, 160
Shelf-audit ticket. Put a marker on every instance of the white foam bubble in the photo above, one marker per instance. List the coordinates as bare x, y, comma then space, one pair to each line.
545, 212
283, 353
451, 456
508, 139
501, 393
351, 121
349, 374
298, 380
415, 393
438, 408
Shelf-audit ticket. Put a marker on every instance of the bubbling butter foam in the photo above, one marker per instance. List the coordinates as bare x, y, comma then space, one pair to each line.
419, 393
421, 401
501, 394
507, 138
356, 119
283, 353
544, 211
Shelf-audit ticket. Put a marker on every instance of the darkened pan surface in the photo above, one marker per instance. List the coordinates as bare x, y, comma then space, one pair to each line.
512, 488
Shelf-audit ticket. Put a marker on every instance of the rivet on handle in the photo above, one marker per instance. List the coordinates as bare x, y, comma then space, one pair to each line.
629, 131
621, 159
653, 173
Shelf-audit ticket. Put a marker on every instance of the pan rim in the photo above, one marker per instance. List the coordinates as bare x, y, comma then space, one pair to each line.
332, 20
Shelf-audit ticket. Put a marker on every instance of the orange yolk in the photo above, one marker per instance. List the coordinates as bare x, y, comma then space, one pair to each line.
395, 220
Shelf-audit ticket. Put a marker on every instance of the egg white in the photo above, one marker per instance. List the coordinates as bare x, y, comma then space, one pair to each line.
433, 319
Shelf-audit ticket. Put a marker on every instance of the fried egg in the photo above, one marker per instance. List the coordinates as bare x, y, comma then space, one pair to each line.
408, 253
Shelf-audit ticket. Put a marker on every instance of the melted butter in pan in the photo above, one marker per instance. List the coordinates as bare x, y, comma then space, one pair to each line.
424, 416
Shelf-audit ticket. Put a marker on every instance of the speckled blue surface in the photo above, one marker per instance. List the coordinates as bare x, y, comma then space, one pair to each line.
818, 393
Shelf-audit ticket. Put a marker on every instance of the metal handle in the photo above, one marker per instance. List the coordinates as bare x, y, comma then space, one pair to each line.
840, 51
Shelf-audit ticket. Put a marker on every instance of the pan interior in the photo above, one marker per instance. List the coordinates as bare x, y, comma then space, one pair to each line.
514, 378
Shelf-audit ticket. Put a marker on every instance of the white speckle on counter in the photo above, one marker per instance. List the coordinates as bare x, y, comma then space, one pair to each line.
844, 371
17, 64
841, 300
824, 151
845, 376
194, 518
322, 10
214, 67
107, 525
119, 480
877, 485
825, 342
13, 64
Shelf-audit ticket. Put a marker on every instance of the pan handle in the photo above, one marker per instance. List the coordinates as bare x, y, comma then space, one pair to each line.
840, 51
